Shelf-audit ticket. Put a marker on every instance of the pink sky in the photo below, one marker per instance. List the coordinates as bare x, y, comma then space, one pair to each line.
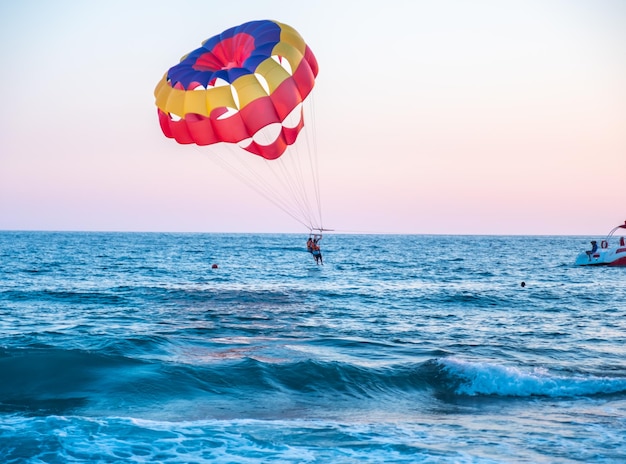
483, 117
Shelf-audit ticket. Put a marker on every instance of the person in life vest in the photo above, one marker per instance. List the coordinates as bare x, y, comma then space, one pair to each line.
315, 248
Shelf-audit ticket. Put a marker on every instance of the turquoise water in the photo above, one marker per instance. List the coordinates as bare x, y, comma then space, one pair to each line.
130, 347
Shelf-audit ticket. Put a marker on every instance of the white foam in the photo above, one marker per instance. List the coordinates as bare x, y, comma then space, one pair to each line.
480, 378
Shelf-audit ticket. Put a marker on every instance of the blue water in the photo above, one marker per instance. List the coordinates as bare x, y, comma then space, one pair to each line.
119, 347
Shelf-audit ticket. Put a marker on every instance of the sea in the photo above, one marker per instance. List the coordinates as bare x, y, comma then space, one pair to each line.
239, 348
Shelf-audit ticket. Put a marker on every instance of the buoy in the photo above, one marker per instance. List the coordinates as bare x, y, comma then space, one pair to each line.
214, 266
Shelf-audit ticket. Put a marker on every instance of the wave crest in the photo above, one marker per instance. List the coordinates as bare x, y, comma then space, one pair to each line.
480, 378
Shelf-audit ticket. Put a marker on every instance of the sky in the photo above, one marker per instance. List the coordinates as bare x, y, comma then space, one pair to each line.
448, 117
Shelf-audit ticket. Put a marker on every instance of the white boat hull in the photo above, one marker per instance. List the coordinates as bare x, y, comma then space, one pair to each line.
603, 257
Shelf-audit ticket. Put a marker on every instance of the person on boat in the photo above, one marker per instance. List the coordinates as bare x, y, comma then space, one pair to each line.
315, 249
594, 248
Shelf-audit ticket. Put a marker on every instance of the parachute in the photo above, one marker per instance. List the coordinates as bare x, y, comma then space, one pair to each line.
245, 91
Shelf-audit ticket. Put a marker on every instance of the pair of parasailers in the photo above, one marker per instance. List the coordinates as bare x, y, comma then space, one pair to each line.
312, 246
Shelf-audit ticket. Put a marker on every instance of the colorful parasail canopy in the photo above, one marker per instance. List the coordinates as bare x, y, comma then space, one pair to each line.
245, 86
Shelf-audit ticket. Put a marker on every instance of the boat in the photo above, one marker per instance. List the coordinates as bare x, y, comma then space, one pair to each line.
611, 252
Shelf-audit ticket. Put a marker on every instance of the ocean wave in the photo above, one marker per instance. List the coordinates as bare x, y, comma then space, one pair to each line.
485, 379
62, 381
53, 379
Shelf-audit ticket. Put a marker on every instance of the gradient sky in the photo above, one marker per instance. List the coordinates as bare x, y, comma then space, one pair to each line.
446, 117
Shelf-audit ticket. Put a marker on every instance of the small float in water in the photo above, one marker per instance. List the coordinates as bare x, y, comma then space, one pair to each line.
611, 252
